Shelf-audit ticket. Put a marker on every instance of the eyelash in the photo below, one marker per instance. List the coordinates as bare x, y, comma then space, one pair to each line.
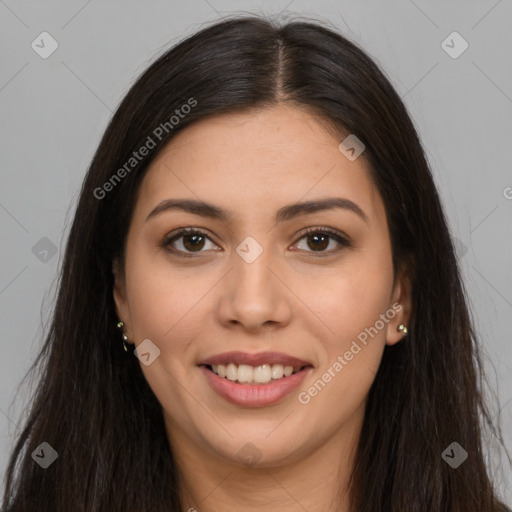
331, 233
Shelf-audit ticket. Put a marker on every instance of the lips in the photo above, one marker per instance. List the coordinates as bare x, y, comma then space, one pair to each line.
261, 395
254, 394
260, 358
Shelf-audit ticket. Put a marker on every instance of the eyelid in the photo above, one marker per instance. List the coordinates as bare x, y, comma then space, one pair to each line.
338, 236
325, 229
180, 232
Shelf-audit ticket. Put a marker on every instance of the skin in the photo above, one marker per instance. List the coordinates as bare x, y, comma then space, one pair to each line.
289, 300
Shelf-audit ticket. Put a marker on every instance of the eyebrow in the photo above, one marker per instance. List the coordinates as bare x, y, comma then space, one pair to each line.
283, 214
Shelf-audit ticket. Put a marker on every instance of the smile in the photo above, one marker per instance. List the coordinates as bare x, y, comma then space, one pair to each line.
254, 395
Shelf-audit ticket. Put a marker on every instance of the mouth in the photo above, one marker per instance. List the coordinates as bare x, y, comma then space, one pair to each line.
254, 380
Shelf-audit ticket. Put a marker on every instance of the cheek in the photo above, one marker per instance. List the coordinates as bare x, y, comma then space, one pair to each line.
167, 305
352, 350
169, 308
351, 297
170, 313
350, 305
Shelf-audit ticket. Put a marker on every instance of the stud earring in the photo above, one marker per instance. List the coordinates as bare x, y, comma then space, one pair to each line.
120, 325
402, 328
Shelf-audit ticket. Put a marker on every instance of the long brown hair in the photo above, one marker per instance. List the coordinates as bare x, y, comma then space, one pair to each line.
93, 404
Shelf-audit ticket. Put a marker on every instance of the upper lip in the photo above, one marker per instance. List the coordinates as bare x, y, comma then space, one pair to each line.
255, 359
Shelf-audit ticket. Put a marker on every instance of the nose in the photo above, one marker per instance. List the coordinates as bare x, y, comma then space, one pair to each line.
254, 296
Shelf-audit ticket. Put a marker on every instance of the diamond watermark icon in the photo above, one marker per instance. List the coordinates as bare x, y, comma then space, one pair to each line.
44, 45
147, 352
454, 455
249, 250
351, 147
44, 250
45, 455
454, 45
460, 248
249, 454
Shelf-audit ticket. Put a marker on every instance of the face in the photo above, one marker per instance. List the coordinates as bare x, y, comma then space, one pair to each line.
260, 285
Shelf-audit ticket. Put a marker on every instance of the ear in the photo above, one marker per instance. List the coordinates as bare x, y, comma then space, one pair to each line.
401, 304
119, 293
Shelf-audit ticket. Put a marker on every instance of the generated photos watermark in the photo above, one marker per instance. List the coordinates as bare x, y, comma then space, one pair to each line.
137, 156
304, 397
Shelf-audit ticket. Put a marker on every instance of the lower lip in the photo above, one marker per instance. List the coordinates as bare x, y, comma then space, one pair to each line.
258, 395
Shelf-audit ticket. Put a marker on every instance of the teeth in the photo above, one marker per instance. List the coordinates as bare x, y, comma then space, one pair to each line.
245, 374
277, 371
262, 374
231, 372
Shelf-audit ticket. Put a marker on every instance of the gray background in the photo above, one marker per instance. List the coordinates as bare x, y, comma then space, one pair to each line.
54, 111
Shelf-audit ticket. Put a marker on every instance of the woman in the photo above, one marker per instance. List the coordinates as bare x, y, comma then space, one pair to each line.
260, 306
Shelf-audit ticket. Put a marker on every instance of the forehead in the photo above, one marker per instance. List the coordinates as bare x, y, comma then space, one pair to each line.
246, 161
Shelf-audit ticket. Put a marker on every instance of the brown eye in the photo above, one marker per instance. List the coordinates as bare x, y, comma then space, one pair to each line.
186, 242
318, 240
193, 242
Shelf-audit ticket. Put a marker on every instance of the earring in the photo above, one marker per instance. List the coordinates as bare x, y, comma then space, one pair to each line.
402, 328
120, 325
